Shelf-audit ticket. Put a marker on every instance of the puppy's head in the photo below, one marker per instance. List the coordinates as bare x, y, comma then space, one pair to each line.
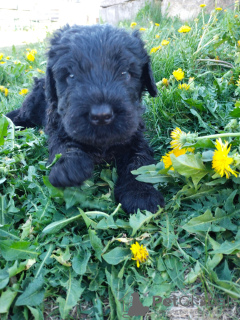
95, 78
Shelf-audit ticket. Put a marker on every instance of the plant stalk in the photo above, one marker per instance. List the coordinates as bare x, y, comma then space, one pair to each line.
220, 135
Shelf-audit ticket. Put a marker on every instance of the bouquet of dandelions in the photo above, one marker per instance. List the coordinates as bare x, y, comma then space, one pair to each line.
197, 165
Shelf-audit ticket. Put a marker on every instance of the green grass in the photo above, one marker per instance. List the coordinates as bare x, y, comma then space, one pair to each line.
65, 253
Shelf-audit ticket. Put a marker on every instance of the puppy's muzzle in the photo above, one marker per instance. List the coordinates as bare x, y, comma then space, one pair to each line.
101, 115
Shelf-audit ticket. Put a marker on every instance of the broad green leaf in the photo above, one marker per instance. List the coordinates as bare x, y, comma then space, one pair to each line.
195, 103
145, 169
207, 156
73, 196
5, 233
41, 265
202, 144
80, 261
33, 295
37, 313
54, 192
175, 270
235, 113
17, 268
116, 255
202, 223
107, 223
106, 175
228, 247
189, 165
13, 250
96, 244
158, 178
116, 286
3, 209
136, 221
4, 278
224, 272
229, 287
229, 205
193, 274
74, 292
212, 263
167, 234
7, 297
3, 129
87, 220
56, 226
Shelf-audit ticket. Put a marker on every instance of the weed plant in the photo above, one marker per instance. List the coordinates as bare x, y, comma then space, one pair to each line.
67, 253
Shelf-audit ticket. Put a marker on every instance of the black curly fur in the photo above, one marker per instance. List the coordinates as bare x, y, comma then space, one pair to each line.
92, 111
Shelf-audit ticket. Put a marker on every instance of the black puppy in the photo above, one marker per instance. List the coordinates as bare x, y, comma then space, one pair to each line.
90, 105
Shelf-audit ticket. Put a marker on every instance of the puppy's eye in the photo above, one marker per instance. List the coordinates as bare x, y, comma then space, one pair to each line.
127, 75
71, 76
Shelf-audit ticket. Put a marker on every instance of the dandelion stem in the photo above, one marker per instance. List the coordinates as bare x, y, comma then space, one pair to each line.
220, 135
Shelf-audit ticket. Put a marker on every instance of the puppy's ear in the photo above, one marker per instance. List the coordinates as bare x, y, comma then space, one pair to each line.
51, 93
147, 78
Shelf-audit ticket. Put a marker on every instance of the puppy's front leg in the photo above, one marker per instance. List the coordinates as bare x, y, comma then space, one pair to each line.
74, 167
133, 194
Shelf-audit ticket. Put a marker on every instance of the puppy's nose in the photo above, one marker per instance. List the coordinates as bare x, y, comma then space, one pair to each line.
101, 114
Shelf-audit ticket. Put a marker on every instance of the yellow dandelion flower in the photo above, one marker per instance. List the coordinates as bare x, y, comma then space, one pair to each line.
40, 71
225, 10
184, 29
165, 82
6, 92
23, 92
176, 135
218, 9
238, 43
179, 138
157, 36
183, 86
165, 43
157, 24
236, 15
202, 5
7, 58
2, 88
30, 56
133, 24
34, 51
2, 62
142, 29
167, 159
178, 74
155, 49
1, 55
221, 161
140, 253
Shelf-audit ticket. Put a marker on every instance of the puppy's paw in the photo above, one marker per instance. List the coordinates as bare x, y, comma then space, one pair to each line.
72, 169
140, 196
